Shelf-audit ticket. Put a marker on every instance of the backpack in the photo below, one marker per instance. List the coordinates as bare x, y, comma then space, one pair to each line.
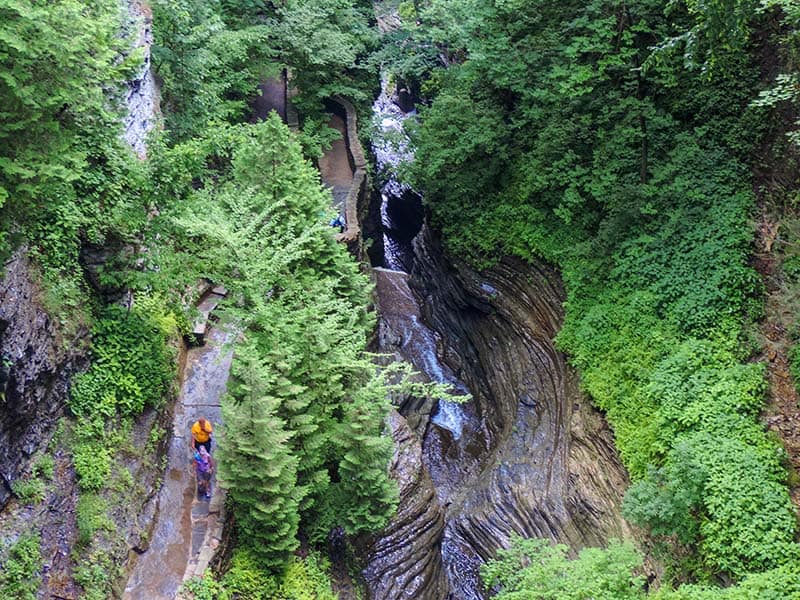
203, 465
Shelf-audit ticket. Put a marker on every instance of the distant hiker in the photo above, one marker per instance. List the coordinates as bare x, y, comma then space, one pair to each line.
204, 468
338, 222
201, 434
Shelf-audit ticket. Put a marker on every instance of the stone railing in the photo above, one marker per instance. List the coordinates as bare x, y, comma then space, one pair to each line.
360, 184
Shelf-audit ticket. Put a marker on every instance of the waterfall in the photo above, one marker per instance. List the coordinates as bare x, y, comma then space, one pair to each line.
401, 206
401, 218
451, 424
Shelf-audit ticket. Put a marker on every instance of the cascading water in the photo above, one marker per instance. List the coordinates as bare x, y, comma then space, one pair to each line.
527, 455
401, 218
454, 431
401, 207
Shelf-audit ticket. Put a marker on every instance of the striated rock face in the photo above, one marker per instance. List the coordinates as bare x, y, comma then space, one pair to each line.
529, 454
140, 93
405, 562
35, 368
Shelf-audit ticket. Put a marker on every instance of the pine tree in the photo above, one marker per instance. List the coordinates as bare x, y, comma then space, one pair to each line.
256, 464
262, 232
369, 497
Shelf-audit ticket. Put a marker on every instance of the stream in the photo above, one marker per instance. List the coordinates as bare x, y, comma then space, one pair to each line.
525, 454
455, 439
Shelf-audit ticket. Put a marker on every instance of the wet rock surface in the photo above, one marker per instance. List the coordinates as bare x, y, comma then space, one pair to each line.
528, 454
140, 94
38, 368
35, 368
405, 562
180, 535
549, 468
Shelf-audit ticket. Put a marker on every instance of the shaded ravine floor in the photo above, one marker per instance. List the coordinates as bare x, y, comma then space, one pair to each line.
180, 541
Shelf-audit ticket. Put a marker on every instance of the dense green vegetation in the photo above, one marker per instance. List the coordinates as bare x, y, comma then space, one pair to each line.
536, 569
302, 443
20, 570
217, 199
302, 579
616, 140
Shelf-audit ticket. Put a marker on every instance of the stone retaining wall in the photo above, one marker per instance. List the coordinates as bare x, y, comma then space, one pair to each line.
359, 188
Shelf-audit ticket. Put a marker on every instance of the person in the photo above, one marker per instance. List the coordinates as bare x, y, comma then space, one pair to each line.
201, 434
204, 468
338, 222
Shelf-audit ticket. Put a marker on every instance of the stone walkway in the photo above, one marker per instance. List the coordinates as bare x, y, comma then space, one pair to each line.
188, 529
334, 166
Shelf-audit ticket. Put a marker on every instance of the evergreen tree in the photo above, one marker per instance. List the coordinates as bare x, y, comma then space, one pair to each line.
365, 493
262, 231
256, 464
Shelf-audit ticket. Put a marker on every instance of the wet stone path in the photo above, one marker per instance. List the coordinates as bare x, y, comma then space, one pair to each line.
187, 527
334, 166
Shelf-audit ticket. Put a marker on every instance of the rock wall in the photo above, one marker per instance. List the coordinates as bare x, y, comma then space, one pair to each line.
35, 367
535, 458
405, 561
141, 97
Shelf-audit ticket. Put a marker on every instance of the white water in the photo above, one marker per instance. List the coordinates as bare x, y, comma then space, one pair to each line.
419, 345
391, 149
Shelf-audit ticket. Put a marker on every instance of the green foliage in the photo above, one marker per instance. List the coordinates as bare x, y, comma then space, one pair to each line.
300, 372
132, 364
307, 579
533, 568
96, 576
212, 55
209, 69
19, 573
133, 367
326, 45
558, 133
204, 588
778, 584
92, 465
56, 61
28, 490
32, 488
66, 177
246, 577
302, 579
45, 467
91, 516
257, 466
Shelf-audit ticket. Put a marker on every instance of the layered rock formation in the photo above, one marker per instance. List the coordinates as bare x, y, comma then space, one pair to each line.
405, 562
550, 468
35, 367
532, 456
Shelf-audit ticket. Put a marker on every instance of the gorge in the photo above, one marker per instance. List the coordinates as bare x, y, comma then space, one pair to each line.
551, 216
526, 455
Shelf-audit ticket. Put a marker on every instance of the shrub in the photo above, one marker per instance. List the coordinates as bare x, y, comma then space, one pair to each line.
18, 573
247, 577
92, 464
95, 576
307, 579
534, 568
91, 516
133, 366
29, 490
45, 466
